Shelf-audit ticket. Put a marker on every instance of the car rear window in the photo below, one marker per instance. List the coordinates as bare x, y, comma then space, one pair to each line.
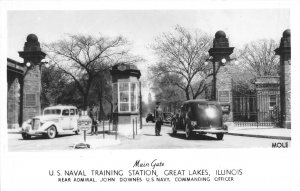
204, 106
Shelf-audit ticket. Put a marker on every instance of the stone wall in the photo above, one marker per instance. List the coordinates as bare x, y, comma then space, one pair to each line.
13, 101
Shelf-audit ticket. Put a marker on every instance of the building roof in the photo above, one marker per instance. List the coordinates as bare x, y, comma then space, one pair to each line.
267, 80
15, 66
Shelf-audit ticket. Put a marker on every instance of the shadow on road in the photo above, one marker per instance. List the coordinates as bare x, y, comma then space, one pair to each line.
150, 134
194, 137
44, 137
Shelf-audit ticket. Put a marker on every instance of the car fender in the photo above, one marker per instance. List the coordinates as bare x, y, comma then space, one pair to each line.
25, 126
225, 127
48, 124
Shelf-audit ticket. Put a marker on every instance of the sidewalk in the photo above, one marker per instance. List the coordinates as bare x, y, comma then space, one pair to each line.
260, 131
99, 141
95, 142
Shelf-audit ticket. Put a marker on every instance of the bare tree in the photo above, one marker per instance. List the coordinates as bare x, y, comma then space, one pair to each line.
82, 57
259, 58
182, 55
52, 90
255, 59
168, 94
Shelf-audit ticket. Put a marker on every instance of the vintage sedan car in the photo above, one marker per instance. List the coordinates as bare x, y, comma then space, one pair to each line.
54, 120
200, 116
150, 117
167, 117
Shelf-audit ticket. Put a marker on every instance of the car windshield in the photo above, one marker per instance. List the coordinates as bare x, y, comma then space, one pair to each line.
167, 115
52, 112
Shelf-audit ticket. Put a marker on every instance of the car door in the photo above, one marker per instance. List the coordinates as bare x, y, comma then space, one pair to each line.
182, 116
65, 120
73, 118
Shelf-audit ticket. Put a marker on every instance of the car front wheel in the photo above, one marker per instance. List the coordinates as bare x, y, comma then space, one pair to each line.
26, 136
51, 132
220, 136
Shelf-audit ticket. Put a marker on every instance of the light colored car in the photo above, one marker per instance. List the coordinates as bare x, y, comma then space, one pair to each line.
54, 120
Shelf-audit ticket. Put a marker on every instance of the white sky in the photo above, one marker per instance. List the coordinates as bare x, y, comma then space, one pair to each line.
141, 27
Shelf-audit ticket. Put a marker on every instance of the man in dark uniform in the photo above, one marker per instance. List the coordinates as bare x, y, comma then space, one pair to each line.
158, 118
92, 115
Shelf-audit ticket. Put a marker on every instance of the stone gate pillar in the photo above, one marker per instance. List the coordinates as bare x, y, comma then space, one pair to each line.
222, 83
284, 51
30, 87
224, 92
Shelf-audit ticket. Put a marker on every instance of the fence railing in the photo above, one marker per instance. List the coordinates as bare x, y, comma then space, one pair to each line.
262, 109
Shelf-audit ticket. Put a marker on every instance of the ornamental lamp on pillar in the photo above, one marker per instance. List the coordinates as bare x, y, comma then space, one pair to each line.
126, 95
219, 55
32, 53
30, 88
284, 51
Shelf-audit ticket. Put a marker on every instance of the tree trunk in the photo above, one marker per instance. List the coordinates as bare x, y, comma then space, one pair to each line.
187, 95
111, 111
101, 115
85, 101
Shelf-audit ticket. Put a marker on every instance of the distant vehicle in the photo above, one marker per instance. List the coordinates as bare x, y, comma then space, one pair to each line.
150, 117
167, 117
55, 119
200, 116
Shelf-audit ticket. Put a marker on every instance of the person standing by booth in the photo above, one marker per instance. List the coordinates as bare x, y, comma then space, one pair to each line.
92, 115
158, 118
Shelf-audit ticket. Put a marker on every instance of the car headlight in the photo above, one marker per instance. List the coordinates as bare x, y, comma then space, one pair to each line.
193, 123
26, 123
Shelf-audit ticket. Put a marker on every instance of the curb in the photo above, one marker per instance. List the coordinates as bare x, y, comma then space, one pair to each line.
260, 136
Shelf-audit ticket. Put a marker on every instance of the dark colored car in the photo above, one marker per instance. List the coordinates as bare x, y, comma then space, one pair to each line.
167, 117
200, 116
150, 117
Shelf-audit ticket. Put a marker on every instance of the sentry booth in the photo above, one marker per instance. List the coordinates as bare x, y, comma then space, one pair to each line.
126, 99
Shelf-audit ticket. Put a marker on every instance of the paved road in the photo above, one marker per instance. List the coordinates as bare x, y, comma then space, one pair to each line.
145, 141
167, 141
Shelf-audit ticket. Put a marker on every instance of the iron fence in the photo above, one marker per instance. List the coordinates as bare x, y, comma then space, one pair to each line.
259, 109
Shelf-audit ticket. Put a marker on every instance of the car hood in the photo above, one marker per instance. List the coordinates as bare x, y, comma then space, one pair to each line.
45, 118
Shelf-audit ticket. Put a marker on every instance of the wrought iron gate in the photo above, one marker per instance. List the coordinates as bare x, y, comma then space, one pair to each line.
261, 108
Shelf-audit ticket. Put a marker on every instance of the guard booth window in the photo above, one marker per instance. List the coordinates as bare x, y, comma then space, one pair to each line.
125, 97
